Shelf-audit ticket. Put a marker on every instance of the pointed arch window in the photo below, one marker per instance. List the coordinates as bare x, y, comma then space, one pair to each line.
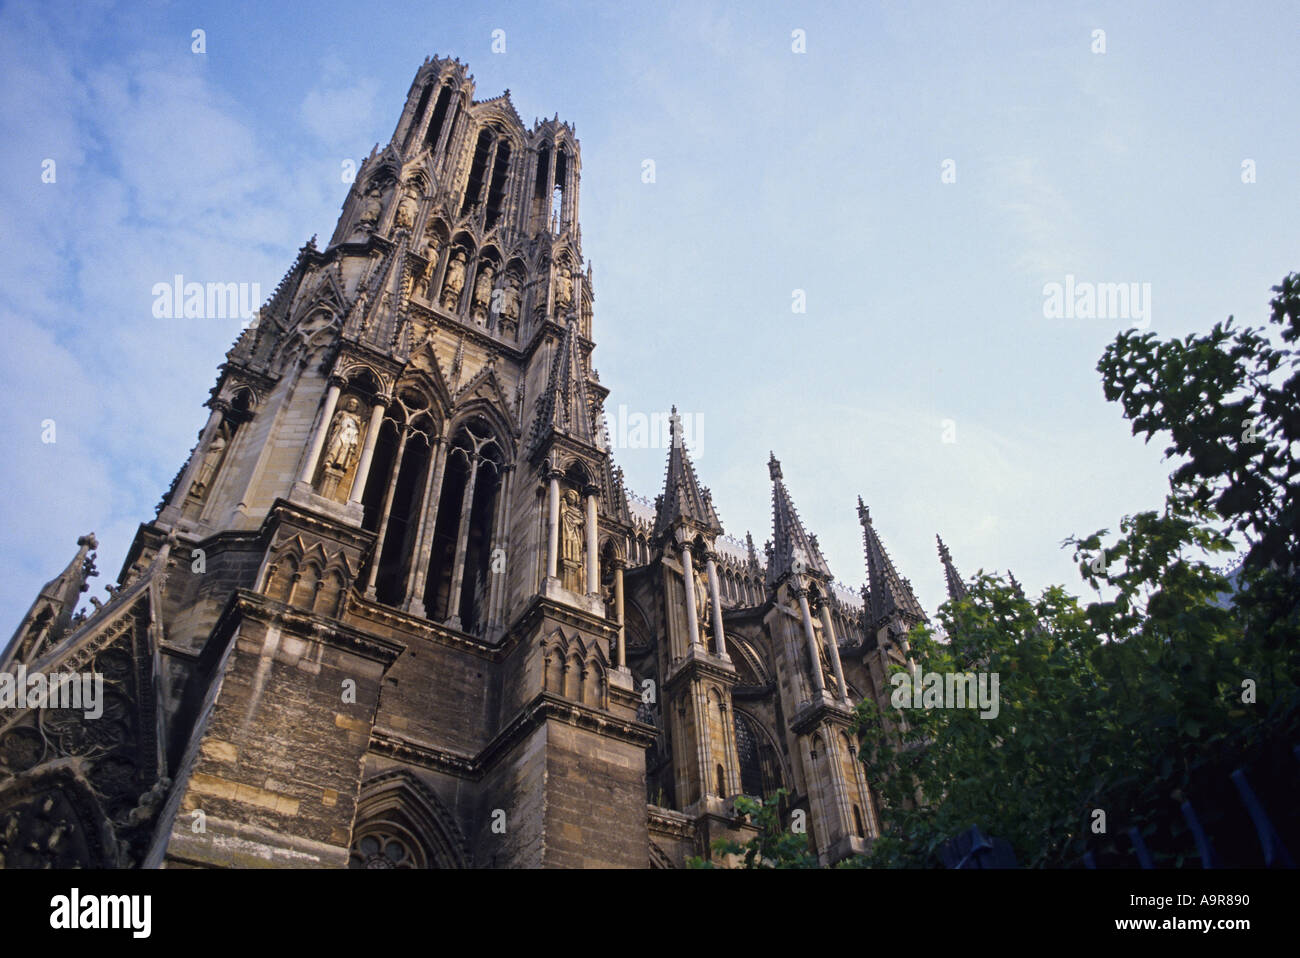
439, 115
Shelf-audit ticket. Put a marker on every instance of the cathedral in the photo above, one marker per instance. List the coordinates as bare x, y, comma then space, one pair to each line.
398, 609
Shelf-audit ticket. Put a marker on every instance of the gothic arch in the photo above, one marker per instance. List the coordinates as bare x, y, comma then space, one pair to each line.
742, 650
762, 770
485, 415
399, 805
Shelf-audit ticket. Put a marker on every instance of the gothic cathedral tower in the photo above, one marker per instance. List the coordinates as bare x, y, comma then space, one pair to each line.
381, 618
389, 555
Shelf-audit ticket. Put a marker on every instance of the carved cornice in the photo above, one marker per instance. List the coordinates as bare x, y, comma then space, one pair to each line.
669, 822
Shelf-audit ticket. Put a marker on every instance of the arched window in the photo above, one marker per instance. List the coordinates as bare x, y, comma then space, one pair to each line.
459, 569
385, 848
760, 774
721, 782
477, 170
857, 823
439, 114
418, 115
497, 191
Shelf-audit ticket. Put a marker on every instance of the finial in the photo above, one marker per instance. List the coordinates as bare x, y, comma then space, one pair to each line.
943, 549
773, 467
864, 514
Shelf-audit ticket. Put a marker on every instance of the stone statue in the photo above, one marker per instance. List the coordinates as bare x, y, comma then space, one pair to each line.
211, 459
563, 289
344, 437
571, 525
482, 293
455, 281
423, 281
509, 310
404, 218
371, 207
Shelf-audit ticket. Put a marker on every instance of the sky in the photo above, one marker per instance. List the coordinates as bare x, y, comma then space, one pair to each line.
916, 175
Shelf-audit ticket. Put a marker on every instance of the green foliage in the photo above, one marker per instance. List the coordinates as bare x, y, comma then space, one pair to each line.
1115, 705
772, 847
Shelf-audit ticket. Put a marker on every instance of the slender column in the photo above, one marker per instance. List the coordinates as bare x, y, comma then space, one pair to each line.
553, 528
593, 534
496, 593
819, 682
209, 430
711, 569
688, 574
383, 517
621, 658
833, 649
367, 451
428, 523
462, 541
322, 427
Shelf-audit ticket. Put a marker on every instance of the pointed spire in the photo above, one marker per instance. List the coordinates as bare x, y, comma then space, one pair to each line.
956, 587
381, 307
50, 615
565, 405
890, 594
793, 550
749, 547
684, 500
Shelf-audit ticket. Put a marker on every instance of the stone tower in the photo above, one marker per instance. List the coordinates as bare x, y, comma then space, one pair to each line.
381, 619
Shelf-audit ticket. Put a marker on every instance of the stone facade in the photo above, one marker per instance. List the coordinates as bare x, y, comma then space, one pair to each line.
398, 609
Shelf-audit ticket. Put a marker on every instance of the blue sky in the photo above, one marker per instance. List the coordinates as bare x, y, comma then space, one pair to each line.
775, 171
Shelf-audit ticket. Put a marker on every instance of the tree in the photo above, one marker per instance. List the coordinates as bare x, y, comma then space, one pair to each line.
1118, 706
772, 847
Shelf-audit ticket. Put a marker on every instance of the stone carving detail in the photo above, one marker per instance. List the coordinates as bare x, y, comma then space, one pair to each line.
74, 734
404, 218
571, 544
382, 848
344, 436
563, 289
482, 294
211, 462
51, 827
342, 447
20, 749
454, 282
425, 278
371, 208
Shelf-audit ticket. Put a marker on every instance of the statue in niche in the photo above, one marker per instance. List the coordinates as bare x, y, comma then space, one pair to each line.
509, 301
425, 278
371, 207
454, 282
571, 551
563, 289
482, 293
404, 218
344, 437
211, 460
